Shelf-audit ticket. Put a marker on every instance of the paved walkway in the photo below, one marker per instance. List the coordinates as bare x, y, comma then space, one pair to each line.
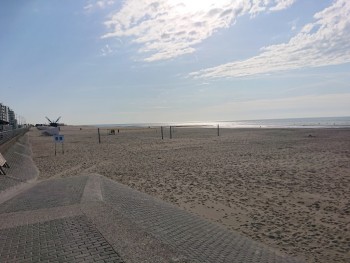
90, 218
21, 163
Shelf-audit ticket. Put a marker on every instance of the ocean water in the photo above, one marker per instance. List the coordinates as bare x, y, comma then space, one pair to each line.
333, 122
324, 122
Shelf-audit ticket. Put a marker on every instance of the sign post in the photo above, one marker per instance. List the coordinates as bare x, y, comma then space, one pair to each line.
59, 139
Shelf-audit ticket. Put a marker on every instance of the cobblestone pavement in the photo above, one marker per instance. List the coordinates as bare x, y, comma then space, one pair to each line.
90, 218
46, 194
197, 238
72, 239
22, 167
7, 182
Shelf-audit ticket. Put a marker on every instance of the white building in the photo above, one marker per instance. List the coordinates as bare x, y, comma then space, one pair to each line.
4, 114
7, 118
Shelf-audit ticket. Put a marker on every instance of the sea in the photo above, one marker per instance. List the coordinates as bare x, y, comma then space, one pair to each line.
323, 122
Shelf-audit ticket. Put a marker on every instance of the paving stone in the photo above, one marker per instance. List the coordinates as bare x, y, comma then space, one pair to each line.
195, 237
47, 194
60, 240
22, 167
19, 158
7, 182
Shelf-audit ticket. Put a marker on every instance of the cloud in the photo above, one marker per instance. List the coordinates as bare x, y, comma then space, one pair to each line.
106, 50
293, 24
324, 42
166, 29
100, 4
282, 5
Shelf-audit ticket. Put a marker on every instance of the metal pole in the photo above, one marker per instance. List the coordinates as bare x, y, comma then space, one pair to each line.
218, 130
161, 130
99, 136
171, 135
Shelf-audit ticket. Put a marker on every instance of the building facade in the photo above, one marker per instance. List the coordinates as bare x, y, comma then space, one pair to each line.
12, 119
7, 118
4, 114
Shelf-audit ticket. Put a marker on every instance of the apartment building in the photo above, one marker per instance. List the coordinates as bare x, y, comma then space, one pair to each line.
4, 114
12, 119
8, 118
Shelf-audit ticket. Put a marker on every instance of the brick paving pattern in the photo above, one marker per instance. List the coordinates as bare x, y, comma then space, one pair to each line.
21, 164
7, 182
197, 238
72, 239
47, 194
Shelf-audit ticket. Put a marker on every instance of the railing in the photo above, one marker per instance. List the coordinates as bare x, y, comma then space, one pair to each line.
5, 136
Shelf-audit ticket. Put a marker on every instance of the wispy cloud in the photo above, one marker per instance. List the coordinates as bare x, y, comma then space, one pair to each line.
324, 42
100, 4
280, 5
293, 24
166, 29
106, 50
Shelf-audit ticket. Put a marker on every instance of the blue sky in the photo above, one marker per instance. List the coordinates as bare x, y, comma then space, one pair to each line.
95, 62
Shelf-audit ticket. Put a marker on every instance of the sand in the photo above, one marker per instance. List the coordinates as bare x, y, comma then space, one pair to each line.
287, 188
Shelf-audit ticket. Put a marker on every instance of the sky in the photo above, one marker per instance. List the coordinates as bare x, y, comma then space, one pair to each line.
154, 61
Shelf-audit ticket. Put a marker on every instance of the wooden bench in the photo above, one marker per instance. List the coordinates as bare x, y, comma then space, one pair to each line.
3, 163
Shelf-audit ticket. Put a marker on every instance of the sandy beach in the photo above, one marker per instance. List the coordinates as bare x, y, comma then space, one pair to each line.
286, 188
